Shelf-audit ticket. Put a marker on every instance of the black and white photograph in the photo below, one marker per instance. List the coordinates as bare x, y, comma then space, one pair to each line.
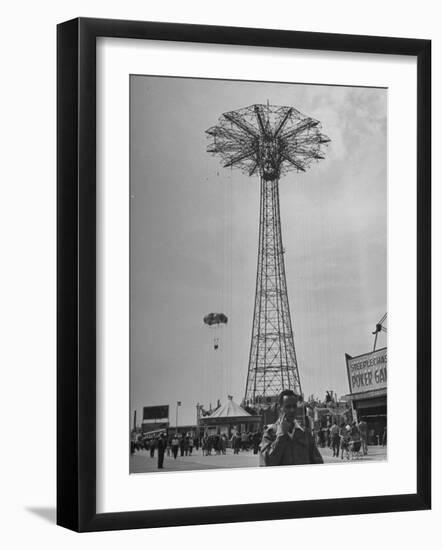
219, 221
258, 274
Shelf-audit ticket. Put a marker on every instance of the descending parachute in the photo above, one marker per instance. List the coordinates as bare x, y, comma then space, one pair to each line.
215, 320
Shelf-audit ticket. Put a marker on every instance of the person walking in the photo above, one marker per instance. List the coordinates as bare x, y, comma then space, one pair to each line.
161, 446
363, 430
232, 441
236, 443
209, 444
256, 440
335, 439
175, 445
223, 444
344, 434
190, 445
152, 447
186, 445
384, 437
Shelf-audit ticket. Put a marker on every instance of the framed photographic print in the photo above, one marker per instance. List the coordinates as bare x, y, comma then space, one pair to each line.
243, 233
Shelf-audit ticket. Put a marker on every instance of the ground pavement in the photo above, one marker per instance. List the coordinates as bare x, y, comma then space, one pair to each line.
141, 461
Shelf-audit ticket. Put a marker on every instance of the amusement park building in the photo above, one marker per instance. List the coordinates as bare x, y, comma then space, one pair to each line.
229, 417
367, 378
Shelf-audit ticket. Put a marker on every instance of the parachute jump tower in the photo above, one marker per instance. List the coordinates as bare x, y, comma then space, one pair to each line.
268, 141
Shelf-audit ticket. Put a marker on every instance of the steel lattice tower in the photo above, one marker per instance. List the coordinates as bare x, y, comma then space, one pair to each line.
269, 141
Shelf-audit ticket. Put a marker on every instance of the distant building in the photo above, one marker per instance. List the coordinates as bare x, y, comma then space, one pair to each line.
155, 420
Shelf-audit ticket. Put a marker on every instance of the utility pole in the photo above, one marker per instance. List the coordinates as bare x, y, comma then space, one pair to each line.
178, 404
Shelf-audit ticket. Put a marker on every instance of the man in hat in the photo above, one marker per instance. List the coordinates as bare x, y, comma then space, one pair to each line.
286, 441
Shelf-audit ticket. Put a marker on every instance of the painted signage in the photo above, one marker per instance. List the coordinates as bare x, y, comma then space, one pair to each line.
367, 372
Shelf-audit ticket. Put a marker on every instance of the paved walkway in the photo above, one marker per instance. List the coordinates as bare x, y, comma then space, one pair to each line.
141, 461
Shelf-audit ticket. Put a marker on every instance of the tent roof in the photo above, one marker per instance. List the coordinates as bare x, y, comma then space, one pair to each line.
230, 408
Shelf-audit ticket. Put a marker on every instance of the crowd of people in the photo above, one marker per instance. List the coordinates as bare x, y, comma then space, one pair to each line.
347, 438
342, 439
173, 445
184, 445
285, 442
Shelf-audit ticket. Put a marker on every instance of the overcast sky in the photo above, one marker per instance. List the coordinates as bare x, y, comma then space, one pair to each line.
194, 238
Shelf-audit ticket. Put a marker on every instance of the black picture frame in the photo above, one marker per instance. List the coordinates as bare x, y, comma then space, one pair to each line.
76, 273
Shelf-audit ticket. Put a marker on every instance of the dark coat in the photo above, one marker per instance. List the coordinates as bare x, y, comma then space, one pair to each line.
162, 444
283, 450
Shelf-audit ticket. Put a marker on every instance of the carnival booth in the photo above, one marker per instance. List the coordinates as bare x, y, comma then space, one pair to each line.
367, 378
229, 417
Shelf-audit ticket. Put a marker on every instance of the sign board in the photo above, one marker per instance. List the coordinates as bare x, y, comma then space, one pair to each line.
150, 428
155, 413
367, 372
